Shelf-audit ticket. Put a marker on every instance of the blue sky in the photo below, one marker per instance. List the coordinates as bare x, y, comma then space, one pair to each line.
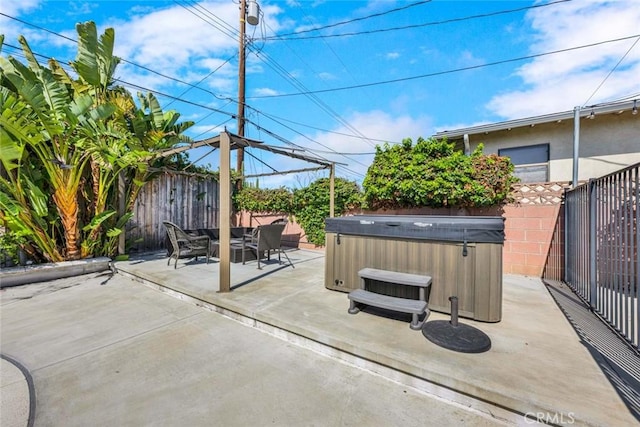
378, 71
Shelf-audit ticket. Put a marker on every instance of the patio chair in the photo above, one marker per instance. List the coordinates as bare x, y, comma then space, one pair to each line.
265, 238
184, 245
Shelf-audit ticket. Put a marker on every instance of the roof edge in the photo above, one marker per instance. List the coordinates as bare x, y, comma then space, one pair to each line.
529, 121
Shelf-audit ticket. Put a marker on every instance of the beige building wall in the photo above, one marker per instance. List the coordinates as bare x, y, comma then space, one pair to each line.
608, 143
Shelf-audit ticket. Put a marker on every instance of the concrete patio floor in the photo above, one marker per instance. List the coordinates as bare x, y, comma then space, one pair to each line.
536, 365
107, 351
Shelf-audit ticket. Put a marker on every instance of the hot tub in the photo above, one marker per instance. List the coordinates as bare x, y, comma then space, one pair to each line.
462, 254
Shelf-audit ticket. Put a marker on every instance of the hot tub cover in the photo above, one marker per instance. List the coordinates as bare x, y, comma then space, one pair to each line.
470, 229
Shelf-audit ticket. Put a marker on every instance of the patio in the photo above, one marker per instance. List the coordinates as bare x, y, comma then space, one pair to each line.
538, 366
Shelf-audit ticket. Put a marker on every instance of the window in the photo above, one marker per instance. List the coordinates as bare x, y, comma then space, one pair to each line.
531, 162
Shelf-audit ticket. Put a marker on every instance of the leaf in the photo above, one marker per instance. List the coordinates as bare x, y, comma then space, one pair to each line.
114, 232
86, 63
11, 152
37, 199
107, 61
98, 220
156, 111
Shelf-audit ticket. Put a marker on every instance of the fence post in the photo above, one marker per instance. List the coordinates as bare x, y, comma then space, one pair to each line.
122, 249
593, 293
565, 273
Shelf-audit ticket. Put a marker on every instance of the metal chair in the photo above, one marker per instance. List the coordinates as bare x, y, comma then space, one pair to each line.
184, 245
265, 238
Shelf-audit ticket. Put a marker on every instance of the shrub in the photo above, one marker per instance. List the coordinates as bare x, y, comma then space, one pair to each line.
311, 205
278, 200
432, 173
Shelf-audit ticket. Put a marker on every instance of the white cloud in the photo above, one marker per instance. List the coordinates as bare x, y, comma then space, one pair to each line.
468, 59
80, 8
204, 131
264, 91
392, 55
326, 76
184, 42
17, 7
171, 38
10, 28
559, 82
378, 125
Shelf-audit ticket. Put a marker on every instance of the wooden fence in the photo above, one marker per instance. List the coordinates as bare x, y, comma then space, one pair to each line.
188, 200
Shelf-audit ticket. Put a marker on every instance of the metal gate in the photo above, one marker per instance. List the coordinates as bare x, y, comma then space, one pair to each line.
601, 247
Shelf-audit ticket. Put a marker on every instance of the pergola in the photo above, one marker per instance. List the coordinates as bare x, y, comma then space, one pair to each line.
225, 142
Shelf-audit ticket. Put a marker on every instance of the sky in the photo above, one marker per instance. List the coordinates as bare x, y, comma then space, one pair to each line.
334, 79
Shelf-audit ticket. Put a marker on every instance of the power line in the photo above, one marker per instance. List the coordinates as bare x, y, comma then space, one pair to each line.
196, 86
455, 70
215, 22
612, 70
344, 66
286, 141
121, 59
306, 137
171, 97
303, 90
283, 37
375, 15
136, 86
274, 117
156, 92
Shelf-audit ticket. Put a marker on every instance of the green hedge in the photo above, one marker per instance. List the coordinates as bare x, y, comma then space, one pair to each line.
432, 173
309, 205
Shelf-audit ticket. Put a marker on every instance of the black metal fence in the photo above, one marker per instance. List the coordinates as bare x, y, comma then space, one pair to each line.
601, 247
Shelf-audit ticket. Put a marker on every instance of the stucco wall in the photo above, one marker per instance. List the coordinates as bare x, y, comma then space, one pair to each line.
608, 143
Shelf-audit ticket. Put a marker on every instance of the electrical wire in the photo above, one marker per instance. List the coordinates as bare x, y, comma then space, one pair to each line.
612, 70
283, 37
303, 90
121, 59
232, 116
350, 21
455, 70
300, 147
277, 119
204, 78
335, 54
156, 92
215, 21
214, 110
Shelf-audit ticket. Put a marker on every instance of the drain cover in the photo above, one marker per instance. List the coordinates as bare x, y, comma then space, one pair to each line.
461, 338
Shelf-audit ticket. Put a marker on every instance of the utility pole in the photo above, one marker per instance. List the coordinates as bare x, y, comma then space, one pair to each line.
241, 87
251, 15
576, 145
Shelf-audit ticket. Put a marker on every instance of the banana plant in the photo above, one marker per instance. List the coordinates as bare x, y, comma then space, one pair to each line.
44, 130
65, 141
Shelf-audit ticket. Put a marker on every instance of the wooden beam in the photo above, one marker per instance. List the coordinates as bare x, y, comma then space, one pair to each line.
284, 172
224, 243
332, 190
122, 189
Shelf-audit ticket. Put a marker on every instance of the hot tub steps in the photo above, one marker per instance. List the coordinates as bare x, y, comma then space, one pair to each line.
404, 305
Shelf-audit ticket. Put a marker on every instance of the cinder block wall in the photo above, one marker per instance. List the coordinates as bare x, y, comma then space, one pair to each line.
528, 235
530, 222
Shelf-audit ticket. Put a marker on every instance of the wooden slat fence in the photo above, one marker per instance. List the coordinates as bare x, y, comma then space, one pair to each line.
189, 201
